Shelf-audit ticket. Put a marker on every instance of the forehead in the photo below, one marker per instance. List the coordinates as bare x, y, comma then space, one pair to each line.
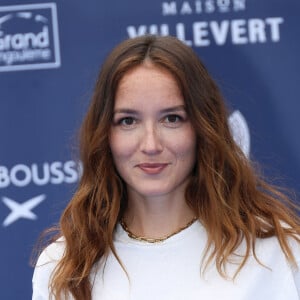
148, 83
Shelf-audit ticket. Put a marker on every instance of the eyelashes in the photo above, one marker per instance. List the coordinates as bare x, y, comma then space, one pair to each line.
126, 121
171, 120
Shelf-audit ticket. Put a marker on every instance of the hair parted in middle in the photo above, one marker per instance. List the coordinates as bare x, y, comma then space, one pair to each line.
232, 202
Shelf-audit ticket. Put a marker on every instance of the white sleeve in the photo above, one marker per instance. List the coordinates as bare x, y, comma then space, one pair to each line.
43, 270
297, 279
295, 246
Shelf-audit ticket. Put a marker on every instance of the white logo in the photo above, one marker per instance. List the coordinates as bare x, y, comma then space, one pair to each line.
202, 6
240, 131
55, 173
21, 210
198, 32
22, 175
206, 33
29, 37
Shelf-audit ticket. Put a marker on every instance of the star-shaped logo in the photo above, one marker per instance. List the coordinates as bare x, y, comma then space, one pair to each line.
21, 210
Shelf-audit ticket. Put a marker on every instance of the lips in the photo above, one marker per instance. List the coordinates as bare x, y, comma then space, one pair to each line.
152, 168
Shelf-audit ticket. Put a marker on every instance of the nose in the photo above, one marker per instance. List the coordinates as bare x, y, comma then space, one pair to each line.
151, 141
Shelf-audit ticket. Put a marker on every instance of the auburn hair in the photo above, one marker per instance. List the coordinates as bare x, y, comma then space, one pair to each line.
232, 201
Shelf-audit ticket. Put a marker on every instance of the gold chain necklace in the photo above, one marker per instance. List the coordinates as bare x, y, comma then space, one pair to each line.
154, 240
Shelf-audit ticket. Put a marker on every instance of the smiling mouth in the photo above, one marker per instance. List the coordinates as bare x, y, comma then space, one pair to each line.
152, 168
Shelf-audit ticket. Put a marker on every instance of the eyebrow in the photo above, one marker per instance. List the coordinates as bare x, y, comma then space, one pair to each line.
165, 110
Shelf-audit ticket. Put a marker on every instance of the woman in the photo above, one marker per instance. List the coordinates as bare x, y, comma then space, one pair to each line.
168, 207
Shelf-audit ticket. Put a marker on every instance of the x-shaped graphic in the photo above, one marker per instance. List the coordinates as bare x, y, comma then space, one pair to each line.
21, 210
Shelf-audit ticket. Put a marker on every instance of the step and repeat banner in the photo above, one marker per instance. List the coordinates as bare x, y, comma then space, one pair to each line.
50, 53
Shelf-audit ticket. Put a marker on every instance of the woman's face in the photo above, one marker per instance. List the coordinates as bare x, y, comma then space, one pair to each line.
152, 140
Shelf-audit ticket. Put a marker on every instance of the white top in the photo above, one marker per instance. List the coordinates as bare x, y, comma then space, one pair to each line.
170, 270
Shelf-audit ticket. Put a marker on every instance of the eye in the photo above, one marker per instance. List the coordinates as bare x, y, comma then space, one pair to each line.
173, 119
126, 122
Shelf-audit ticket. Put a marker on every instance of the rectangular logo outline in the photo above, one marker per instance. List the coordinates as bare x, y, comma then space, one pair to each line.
37, 66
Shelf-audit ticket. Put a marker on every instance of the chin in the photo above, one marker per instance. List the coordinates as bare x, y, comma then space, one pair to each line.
154, 192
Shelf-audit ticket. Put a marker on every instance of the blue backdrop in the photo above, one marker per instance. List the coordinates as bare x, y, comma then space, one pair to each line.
50, 53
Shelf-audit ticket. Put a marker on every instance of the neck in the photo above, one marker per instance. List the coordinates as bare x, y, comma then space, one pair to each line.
157, 217
155, 240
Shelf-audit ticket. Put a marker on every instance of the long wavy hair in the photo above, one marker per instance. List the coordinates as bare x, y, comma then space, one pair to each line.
226, 193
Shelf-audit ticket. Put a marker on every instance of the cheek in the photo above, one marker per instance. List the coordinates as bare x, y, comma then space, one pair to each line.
185, 146
122, 146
